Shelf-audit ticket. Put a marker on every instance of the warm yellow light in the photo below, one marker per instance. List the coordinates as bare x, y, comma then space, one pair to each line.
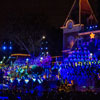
92, 36
20, 55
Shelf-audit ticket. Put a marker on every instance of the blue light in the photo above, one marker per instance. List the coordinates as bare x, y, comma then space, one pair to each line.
90, 27
4, 47
42, 52
4, 42
41, 48
39, 81
11, 80
27, 59
46, 42
9, 57
46, 48
26, 81
10, 42
10, 48
96, 26
32, 91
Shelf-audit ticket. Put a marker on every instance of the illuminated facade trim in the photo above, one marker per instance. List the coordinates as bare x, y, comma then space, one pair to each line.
86, 33
28, 55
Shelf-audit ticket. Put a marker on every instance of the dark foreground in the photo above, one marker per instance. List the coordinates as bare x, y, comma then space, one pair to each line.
52, 95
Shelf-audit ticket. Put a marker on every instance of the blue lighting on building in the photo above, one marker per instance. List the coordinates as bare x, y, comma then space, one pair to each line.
92, 27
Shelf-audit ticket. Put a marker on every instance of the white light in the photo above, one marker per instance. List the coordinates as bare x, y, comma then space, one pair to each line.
11, 80
39, 81
41, 58
27, 59
47, 52
4, 57
91, 54
26, 81
34, 79
1, 62
18, 80
42, 52
43, 37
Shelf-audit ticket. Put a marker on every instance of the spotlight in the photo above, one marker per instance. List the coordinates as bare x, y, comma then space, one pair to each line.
4, 47
27, 59
10, 48
41, 58
91, 54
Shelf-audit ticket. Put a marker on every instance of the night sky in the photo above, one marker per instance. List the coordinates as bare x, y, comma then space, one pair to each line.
55, 10
53, 13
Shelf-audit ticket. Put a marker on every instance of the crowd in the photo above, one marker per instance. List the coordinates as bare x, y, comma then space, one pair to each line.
52, 95
57, 82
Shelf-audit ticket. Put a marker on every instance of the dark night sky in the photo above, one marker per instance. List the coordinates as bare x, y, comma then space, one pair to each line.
55, 10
